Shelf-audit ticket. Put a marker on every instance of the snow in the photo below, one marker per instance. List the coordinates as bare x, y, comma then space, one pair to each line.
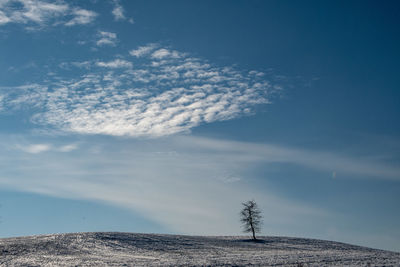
128, 249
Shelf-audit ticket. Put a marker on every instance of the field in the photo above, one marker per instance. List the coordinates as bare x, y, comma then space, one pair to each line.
128, 249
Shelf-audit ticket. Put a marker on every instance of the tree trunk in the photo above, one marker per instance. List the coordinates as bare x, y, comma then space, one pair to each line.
252, 230
251, 225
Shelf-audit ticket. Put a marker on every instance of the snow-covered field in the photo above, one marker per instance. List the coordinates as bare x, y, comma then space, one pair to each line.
127, 249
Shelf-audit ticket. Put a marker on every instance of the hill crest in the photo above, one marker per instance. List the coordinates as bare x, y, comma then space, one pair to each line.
133, 249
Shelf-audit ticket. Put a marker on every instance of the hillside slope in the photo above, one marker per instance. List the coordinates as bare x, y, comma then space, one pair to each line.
127, 249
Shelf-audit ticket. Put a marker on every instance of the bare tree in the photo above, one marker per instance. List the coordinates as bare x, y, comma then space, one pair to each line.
251, 218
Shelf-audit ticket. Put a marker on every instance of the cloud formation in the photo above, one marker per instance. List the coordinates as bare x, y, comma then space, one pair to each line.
41, 13
35, 148
118, 12
107, 38
142, 50
122, 173
45, 147
163, 93
212, 176
115, 64
235, 152
81, 16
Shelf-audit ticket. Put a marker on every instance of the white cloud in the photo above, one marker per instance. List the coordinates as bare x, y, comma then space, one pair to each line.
107, 38
143, 50
68, 148
245, 153
31, 11
81, 16
117, 63
35, 148
118, 11
45, 147
191, 198
163, 53
3, 18
42, 13
199, 182
148, 100
84, 64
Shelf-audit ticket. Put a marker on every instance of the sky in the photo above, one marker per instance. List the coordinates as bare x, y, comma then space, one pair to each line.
164, 116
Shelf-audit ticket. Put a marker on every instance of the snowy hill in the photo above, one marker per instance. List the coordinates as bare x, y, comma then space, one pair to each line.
127, 249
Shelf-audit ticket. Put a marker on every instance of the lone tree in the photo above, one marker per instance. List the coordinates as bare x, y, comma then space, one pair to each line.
251, 218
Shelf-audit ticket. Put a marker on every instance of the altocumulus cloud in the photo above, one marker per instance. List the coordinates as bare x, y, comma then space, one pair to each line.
119, 12
106, 38
37, 12
117, 63
162, 92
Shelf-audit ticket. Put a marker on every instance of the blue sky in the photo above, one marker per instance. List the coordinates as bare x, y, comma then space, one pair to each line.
163, 116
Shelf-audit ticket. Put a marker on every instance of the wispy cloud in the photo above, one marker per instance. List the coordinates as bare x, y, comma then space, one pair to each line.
115, 64
42, 13
82, 64
30, 11
68, 148
164, 53
165, 93
210, 175
107, 38
118, 11
81, 16
125, 176
143, 50
240, 152
35, 148
45, 147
